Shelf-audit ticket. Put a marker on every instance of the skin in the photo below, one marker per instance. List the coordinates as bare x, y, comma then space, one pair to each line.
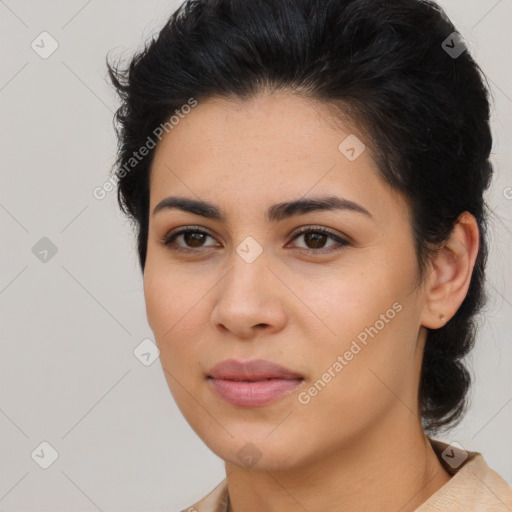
299, 309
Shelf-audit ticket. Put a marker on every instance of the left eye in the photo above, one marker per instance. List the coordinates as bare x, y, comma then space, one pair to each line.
317, 238
194, 238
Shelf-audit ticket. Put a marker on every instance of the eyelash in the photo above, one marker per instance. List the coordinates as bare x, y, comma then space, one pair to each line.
169, 239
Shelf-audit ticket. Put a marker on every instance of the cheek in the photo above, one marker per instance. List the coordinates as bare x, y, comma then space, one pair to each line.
171, 319
370, 347
347, 302
169, 311
168, 297
355, 384
175, 312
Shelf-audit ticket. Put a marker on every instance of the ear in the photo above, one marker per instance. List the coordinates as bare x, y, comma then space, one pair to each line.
450, 273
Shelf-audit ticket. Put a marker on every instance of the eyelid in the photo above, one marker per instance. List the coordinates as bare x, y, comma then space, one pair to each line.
322, 229
174, 233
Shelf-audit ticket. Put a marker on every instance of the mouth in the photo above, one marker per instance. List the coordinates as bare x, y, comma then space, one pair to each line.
251, 370
253, 393
252, 383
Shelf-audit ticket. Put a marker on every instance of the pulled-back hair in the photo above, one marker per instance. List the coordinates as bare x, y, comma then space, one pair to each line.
388, 67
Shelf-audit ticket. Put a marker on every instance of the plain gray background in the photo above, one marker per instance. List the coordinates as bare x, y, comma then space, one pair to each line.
70, 324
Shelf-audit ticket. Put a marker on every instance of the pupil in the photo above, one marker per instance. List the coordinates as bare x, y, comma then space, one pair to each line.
316, 239
194, 237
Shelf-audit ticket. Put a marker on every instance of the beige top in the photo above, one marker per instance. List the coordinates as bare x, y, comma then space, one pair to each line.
474, 486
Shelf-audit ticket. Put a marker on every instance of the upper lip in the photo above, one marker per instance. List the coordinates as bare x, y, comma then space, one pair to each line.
255, 369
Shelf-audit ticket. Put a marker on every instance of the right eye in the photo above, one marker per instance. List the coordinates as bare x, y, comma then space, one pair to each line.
192, 237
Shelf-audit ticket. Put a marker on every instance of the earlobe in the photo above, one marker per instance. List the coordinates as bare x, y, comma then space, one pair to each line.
451, 271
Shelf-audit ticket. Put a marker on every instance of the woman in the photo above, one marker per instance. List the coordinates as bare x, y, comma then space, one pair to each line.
306, 180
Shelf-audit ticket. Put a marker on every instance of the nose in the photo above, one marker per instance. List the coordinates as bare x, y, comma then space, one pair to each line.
249, 300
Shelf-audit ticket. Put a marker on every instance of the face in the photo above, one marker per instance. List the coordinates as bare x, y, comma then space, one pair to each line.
338, 304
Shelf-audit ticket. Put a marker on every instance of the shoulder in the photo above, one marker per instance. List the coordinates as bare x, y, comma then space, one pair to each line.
215, 501
473, 487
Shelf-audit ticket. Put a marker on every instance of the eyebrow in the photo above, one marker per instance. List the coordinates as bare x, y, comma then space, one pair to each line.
275, 213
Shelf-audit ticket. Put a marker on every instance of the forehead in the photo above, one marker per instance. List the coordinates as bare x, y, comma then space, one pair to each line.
266, 149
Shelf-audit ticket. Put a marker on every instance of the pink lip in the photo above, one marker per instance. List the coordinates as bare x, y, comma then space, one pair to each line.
255, 369
252, 383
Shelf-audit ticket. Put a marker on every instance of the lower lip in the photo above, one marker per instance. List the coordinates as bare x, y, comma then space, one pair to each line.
253, 394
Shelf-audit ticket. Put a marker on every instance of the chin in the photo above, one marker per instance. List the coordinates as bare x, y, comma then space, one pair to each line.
257, 453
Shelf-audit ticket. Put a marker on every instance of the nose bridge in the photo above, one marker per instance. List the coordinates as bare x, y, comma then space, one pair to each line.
246, 297
248, 265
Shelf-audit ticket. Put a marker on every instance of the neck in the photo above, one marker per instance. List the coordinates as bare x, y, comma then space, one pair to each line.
390, 468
